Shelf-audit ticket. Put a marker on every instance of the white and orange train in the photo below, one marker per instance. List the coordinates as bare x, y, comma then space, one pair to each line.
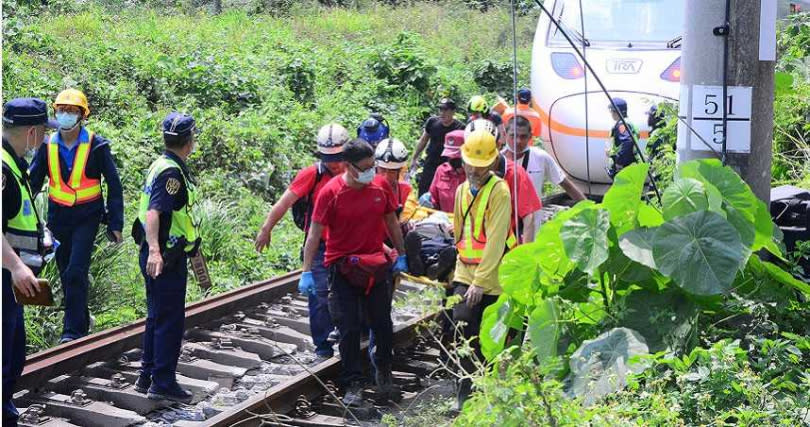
633, 46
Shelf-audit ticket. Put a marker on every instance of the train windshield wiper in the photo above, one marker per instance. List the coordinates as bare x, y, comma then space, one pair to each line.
675, 43
574, 33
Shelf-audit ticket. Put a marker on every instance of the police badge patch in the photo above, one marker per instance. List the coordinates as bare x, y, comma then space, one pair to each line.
172, 186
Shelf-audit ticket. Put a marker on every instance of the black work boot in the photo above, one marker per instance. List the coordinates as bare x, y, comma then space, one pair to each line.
413, 249
385, 386
143, 383
463, 391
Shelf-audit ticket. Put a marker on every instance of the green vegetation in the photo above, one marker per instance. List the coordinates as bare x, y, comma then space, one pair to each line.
686, 323
259, 86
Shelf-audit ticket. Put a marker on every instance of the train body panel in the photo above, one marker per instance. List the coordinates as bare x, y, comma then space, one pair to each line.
632, 48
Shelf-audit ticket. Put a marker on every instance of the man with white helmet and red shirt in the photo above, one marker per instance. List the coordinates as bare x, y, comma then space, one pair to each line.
301, 196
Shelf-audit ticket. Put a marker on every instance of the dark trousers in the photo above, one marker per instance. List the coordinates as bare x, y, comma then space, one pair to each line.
428, 170
165, 314
73, 259
348, 306
472, 318
13, 348
320, 322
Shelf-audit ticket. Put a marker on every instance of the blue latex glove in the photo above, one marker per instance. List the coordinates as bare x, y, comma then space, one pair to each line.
306, 284
425, 200
401, 265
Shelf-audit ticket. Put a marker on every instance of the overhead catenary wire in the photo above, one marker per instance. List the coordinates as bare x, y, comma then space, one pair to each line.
585, 81
604, 89
514, 120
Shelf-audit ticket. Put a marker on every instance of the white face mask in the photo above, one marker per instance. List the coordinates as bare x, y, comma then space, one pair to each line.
30, 149
67, 121
366, 177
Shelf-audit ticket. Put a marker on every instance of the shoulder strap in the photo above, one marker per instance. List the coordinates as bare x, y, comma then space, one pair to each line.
526, 159
469, 207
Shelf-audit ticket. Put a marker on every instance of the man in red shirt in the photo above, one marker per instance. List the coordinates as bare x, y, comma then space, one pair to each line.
449, 175
358, 211
528, 204
306, 186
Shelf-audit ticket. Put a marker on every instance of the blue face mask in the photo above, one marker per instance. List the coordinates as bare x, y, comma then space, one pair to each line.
366, 176
67, 120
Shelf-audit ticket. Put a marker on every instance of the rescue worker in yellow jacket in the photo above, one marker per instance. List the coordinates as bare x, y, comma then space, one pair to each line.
75, 159
483, 233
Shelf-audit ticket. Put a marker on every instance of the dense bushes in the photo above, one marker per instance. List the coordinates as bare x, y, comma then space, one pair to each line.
259, 87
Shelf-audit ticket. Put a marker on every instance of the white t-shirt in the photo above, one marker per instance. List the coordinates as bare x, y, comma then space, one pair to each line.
541, 167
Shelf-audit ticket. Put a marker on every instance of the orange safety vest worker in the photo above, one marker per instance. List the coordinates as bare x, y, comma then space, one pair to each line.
79, 188
473, 237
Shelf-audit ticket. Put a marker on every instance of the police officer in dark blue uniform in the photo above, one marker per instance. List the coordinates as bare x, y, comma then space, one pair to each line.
24, 123
168, 235
621, 151
75, 203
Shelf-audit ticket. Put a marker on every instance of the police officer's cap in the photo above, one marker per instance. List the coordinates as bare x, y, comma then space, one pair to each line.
524, 96
178, 125
447, 103
621, 104
27, 112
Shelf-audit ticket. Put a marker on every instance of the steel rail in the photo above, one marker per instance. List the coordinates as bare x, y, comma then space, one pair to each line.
74, 355
281, 398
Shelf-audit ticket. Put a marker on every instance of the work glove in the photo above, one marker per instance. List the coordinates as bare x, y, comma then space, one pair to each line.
425, 200
401, 265
306, 284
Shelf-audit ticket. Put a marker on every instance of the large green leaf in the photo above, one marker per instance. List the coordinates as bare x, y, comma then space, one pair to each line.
740, 223
665, 319
684, 196
544, 329
775, 273
494, 326
700, 251
765, 236
733, 189
623, 198
585, 238
637, 245
600, 366
519, 273
649, 216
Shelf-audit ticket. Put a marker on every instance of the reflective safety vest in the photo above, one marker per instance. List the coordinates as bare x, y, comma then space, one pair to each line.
183, 223
79, 188
473, 237
22, 232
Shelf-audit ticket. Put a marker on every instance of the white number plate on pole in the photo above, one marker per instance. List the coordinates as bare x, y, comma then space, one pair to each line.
707, 118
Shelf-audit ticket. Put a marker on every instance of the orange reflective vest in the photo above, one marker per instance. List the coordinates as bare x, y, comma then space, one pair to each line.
473, 237
79, 188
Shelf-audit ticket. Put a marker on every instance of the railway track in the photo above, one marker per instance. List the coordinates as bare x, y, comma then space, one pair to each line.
245, 352
247, 357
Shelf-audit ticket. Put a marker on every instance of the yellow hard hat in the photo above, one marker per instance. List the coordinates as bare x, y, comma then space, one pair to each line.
479, 149
477, 104
72, 97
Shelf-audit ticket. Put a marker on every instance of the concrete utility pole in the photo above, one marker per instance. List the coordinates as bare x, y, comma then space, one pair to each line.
749, 97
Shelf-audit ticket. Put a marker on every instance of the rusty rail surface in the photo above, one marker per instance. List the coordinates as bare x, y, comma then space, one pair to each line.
281, 398
64, 358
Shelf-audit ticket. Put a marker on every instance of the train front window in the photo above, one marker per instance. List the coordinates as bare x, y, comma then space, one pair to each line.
618, 21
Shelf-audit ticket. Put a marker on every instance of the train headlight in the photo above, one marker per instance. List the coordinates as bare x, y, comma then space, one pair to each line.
673, 72
566, 65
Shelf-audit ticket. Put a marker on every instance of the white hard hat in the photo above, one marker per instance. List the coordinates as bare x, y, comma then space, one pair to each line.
479, 124
391, 154
331, 138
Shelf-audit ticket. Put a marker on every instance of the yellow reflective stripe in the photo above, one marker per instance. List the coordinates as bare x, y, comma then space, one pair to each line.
482, 205
79, 162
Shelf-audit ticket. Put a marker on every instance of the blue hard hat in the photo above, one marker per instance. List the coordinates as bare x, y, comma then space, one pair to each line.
27, 112
621, 104
372, 131
178, 124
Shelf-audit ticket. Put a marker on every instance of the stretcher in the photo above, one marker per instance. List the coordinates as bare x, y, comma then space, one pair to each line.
423, 280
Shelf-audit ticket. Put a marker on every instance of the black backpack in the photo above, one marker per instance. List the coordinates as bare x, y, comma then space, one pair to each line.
302, 208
